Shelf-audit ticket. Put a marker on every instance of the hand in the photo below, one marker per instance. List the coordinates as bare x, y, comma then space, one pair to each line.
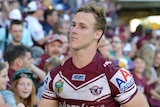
20, 105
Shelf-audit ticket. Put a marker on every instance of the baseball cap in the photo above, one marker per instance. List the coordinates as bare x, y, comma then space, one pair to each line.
23, 73
15, 14
34, 6
37, 51
53, 38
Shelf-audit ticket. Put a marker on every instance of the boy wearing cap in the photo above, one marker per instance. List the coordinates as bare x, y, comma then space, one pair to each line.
35, 13
53, 47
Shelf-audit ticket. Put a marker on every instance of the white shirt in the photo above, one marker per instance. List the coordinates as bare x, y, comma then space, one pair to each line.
35, 28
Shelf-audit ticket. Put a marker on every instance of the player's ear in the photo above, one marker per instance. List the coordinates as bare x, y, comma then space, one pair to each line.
98, 34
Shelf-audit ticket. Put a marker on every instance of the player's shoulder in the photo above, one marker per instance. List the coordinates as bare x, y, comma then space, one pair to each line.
107, 66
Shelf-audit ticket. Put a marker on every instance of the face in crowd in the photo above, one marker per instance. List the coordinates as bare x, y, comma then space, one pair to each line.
54, 48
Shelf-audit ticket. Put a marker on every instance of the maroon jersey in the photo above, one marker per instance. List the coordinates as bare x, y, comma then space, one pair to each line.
142, 84
99, 84
41, 64
10, 75
145, 88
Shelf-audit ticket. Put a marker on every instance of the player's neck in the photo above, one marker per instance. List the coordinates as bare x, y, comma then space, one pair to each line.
82, 58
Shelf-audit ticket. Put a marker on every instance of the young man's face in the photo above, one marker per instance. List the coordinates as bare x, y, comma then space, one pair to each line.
27, 60
82, 31
16, 32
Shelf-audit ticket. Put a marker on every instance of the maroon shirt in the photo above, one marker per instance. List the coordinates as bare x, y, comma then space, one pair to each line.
142, 84
42, 61
10, 75
99, 84
144, 88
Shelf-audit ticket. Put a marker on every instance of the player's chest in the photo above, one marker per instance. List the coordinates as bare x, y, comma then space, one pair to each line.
82, 86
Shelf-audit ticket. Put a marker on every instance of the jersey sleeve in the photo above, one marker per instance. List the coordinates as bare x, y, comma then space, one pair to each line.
122, 84
48, 92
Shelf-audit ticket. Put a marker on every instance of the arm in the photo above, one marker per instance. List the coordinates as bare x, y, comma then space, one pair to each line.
138, 100
48, 103
155, 94
43, 41
40, 73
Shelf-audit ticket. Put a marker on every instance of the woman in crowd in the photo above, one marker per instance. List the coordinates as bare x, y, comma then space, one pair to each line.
24, 88
6, 96
3, 83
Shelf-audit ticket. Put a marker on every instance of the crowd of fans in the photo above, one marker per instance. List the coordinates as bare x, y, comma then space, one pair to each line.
34, 38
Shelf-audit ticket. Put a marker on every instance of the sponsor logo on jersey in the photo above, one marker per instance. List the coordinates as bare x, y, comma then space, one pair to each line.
59, 86
123, 80
64, 104
78, 77
107, 63
96, 90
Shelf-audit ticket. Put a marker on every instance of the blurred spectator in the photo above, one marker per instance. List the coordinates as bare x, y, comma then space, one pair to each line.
50, 18
6, 96
16, 29
148, 58
117, 56
138, 33
37, 52
6, 37
13, 4
23, 4
51, 63
24, 88
4, 10
104, 47
156, 67
141, 82
61, 26
53, 47
20, 57
34, 14
65, 41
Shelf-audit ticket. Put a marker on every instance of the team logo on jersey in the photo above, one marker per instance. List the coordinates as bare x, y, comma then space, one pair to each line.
78, 77
59, 86
123, 80
96, 90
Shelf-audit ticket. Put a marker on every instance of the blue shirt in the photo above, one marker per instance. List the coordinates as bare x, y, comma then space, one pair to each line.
26, 38
8, 97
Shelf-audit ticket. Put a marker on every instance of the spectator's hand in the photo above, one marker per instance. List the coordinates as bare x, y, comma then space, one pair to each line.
20, 105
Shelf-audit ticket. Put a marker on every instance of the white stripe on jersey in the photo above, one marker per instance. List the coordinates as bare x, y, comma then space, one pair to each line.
83, 92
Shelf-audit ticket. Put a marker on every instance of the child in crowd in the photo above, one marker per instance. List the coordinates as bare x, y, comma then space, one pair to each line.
51, 63
141, 81
23, 87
